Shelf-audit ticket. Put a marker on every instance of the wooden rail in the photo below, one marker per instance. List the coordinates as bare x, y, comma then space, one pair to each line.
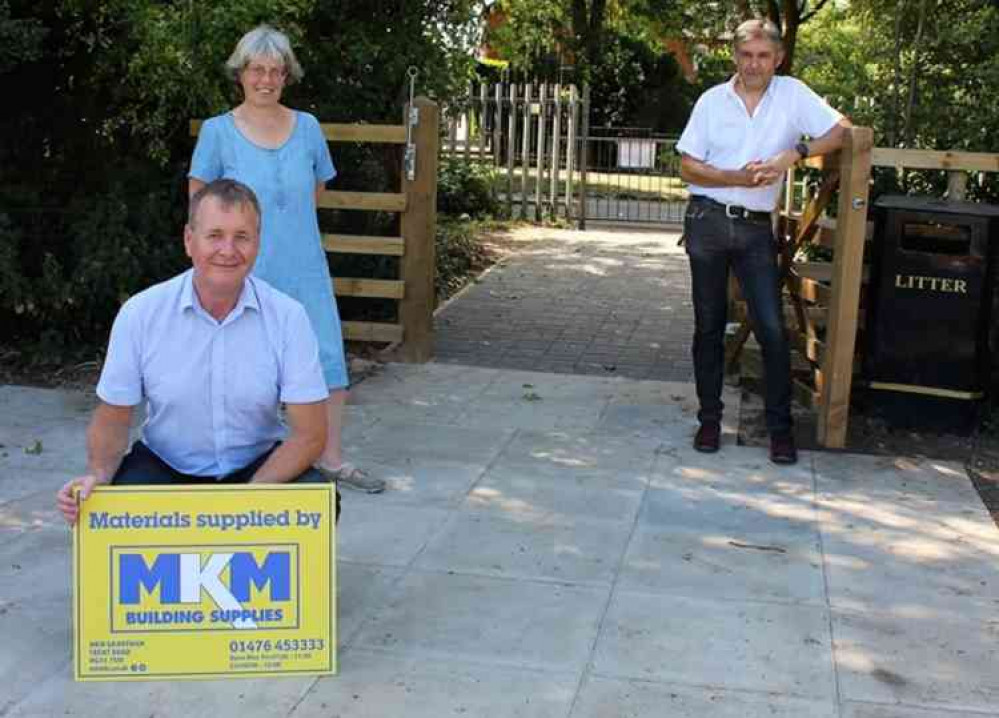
827, 295
416, 202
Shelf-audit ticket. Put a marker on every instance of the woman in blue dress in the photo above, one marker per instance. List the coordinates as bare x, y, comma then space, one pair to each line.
283, 156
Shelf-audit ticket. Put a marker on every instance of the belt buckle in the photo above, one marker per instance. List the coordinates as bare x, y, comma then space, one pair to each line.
734, 211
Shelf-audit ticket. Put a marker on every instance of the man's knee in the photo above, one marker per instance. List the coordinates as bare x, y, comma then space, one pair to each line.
312, 476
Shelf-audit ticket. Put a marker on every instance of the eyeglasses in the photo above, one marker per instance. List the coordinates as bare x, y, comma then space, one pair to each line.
272, 73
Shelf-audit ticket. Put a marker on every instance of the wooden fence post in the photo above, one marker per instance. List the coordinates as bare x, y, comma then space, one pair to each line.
847, 276
419, 226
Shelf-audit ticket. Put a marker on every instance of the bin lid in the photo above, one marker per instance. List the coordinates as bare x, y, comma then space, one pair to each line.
936, 204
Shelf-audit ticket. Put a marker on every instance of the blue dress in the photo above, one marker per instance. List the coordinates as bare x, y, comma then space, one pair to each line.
284, 179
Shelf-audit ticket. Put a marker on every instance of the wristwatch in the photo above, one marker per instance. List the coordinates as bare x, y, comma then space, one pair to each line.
802, 149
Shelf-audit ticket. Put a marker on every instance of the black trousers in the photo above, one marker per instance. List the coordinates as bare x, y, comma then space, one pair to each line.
715, 244
142, 467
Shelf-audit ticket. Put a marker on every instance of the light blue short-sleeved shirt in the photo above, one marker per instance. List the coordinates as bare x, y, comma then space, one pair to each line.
722, 133
212, 388
291, 258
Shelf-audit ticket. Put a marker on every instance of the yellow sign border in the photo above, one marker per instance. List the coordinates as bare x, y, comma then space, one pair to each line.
82, 638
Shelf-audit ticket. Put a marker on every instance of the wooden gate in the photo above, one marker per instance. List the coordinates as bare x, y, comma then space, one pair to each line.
416, 201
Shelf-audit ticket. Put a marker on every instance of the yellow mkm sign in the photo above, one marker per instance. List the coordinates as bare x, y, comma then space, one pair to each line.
205, 582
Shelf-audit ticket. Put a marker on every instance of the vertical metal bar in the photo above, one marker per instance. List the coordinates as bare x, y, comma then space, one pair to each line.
525, 151
511, 148
498, 125
556, 146
483, 113
540, 164
570, 150
584, 151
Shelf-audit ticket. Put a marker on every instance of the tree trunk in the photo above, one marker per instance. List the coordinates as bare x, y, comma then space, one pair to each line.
914, 75
896, 70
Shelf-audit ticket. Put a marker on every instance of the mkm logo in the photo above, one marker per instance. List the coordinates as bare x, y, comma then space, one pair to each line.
198, 587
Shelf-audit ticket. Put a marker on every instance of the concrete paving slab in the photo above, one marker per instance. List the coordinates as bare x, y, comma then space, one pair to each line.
853, 709
381, 534
919, 483
19, 483
390, 441
584, 551
47, 445
376, 685
910, 572
25, 403
932, 660
723, 513
440, 616
60, 696
361, 590
607, 697
32, 512
427, 482
710, 643
35, 600
532, 415
578, 452
494, 552
558, 495
783, 567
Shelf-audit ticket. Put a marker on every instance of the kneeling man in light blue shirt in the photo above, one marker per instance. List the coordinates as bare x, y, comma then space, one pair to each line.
213, 352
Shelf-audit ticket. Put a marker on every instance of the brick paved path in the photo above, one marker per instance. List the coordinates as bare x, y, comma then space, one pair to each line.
602, 302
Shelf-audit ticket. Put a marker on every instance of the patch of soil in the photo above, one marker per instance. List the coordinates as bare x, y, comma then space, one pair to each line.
870, 431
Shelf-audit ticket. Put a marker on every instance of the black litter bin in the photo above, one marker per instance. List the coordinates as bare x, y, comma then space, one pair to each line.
927, 356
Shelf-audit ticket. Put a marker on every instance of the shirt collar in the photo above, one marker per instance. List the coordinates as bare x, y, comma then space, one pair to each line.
768, 93
247, 297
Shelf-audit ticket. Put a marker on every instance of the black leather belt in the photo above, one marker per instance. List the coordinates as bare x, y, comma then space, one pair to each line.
732, 211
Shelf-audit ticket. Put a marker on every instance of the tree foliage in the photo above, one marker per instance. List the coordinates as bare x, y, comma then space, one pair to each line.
96, 127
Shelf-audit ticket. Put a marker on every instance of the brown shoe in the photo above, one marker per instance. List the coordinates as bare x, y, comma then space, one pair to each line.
783, 450
708, 438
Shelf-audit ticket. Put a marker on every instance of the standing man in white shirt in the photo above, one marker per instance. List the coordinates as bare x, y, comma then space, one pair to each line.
742, 136
213, 353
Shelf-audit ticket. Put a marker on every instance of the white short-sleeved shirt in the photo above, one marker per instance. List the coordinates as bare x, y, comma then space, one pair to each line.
722, 133
212, 388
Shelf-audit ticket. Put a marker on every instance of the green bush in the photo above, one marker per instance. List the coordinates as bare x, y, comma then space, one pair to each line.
466, 188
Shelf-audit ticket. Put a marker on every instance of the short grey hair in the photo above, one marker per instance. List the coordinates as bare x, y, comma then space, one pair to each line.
758, 29
264, 41
229, 193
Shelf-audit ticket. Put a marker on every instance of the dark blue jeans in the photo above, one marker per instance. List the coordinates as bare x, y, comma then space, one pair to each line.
715, 243
142, 467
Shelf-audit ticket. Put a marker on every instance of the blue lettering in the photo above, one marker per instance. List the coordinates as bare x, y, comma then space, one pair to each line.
276, 570
133, 573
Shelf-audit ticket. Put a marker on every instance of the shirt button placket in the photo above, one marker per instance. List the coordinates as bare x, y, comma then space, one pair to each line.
218, 399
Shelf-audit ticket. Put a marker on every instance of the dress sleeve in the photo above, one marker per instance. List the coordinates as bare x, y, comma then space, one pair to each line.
301, 373
322, 163
206, 162
121, 377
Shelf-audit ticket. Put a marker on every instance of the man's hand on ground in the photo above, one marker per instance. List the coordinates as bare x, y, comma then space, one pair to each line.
66, 499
